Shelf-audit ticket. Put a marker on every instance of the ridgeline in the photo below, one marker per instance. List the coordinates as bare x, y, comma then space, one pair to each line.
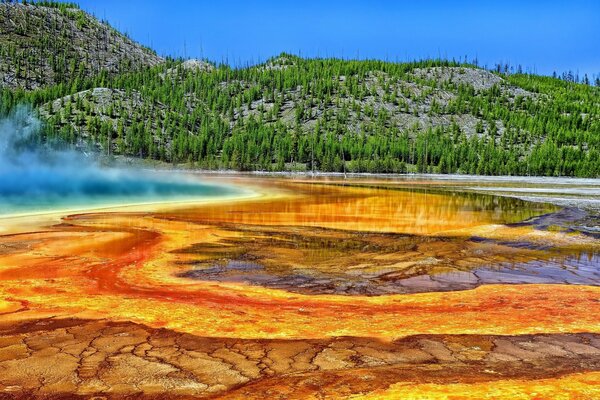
92, 84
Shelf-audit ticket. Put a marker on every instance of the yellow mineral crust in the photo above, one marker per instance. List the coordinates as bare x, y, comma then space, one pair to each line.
420, 294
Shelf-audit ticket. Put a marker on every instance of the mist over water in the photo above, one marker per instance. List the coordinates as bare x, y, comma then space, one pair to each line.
36, 176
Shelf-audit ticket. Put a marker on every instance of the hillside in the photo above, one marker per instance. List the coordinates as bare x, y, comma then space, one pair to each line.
49, 43
291, 113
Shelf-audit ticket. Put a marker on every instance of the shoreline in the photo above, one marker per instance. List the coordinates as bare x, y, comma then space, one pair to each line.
434, 177
407, 176
242, 192
116, 206
582, 193
22, 222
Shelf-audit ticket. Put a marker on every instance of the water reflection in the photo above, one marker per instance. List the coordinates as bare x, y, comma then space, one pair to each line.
323, 238
583, 269
374, 240
372, 209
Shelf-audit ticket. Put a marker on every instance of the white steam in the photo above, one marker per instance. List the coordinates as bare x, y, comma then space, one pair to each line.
34, 174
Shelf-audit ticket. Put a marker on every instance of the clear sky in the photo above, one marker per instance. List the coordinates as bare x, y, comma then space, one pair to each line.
543, 36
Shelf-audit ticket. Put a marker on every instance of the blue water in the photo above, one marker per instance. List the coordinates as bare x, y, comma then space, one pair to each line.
38, 174
95, 189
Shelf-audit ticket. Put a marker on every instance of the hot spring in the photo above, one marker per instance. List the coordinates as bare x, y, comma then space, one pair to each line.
36, 177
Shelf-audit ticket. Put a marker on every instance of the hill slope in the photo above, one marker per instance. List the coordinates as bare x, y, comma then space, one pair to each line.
291, 113
57, 43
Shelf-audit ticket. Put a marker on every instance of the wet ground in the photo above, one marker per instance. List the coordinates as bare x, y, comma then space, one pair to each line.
100, 354
318, 289
373, 264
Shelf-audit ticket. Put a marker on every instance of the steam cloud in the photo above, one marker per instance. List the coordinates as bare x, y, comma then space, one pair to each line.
34, 175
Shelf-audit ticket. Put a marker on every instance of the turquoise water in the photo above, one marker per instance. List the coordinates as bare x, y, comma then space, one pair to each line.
38, 175
111, 187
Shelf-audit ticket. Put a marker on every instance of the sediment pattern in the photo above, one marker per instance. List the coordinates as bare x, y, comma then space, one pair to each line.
94, 357
318, 291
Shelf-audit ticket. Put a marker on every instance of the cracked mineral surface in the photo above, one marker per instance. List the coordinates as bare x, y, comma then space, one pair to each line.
317, 289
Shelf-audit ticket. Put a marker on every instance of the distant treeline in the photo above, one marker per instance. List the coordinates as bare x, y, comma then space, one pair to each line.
291, 113
556, 133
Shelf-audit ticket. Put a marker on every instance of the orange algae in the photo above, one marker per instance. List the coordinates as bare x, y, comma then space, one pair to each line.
126, 266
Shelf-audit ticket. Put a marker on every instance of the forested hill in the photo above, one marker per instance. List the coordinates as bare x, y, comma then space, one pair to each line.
48, 43
291, 113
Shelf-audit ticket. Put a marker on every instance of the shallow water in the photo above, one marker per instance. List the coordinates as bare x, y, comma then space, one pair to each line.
314, 288
371, 239
110, 188
433, 274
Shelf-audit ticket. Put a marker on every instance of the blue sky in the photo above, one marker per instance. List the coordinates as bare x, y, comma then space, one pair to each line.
540, 35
